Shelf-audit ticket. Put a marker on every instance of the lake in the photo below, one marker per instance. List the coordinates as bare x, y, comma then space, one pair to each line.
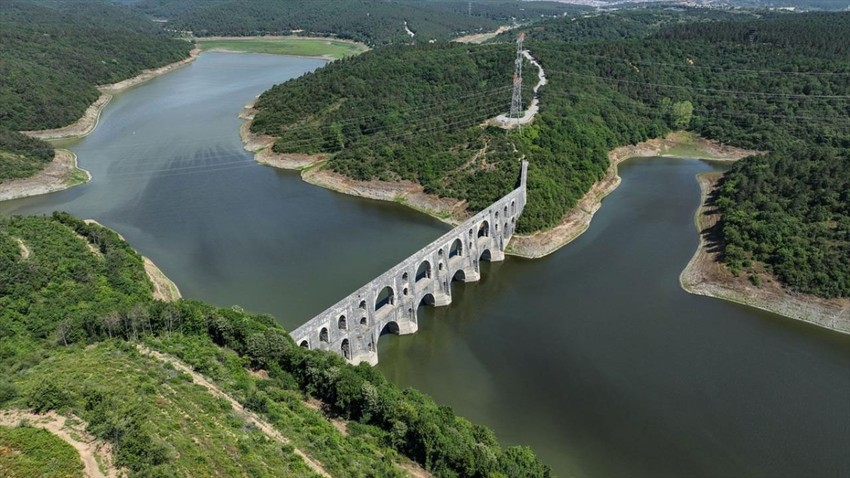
594, 356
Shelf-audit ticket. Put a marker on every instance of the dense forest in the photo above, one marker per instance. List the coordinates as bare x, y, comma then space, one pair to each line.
52, 56
768, 83
74, 304
373, 22
790, 210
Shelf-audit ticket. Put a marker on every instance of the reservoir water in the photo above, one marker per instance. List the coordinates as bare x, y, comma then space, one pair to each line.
593, 356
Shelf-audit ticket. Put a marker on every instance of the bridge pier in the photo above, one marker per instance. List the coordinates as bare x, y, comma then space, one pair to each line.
353, 326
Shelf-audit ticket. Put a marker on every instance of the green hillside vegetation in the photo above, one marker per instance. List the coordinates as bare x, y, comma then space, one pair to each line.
373, 22
52, 56
74, 310
622, 24
29, 452
758, 84
791, 211
334, 49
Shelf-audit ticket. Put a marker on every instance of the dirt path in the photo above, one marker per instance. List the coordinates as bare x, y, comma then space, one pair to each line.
503, 121
90, 449
25, 251
59, 174
482, 37
249, 416
706, 275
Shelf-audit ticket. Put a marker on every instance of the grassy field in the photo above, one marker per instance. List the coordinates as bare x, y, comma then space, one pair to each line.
29, 452
316, 47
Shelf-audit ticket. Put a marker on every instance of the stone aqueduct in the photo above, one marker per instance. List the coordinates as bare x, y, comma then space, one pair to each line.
352, 326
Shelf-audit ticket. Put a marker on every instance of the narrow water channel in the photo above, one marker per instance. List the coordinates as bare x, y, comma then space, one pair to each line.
594, 356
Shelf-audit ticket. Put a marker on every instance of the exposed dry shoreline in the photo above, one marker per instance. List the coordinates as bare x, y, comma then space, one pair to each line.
313, 171
61, 173
706, 275
577, 220
164, 289
88, 122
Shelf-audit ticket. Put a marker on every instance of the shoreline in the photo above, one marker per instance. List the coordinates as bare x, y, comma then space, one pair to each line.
327, 57
87, 123
164, 289
705, 275
312, 170
60, 174
577, 220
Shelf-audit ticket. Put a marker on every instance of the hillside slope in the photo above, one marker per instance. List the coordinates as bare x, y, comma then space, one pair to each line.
52, 57
77, 319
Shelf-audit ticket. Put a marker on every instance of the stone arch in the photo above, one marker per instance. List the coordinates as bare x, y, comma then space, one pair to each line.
497, 214
506, 232
405, 291
364, 321
386, 297
341, 323
423, 271
324, 336
506, 209
304, 344
427, 299
440, 252
346, 349
440, 266
362, 304
459, 276
390, 327
470, 233
485, 255
456, 249
404, 276
513, 207
484, 229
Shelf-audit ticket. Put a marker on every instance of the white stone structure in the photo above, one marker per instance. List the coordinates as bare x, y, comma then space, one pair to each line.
352, 326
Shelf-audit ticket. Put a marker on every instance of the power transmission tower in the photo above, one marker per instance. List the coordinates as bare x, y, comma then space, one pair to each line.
516, 99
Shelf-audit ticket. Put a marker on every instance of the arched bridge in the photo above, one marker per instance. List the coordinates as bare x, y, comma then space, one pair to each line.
352, 326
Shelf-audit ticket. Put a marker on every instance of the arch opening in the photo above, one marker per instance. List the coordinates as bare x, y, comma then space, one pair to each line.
304, 344
427, 299
362, 304
323, 335
513, 207
485, 256
390, 328
341, 323
385, 298
363, 322
484, 229
423, 271
346, 349
456, 249
460, 276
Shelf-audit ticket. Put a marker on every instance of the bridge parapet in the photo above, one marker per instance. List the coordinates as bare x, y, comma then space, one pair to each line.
352, 326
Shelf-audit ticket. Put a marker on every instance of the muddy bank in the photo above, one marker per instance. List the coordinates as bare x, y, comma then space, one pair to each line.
61, 173
706, 275
577, 220
88, 122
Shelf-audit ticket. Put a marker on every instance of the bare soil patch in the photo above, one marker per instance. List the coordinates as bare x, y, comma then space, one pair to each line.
72, 432
59, 174
163, 288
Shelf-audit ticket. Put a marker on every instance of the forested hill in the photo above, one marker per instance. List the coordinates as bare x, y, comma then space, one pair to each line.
770, 84
374, 22
623, 24
52, 56
75, 304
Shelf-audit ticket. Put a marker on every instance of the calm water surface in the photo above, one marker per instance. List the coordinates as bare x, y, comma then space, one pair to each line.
594, 356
